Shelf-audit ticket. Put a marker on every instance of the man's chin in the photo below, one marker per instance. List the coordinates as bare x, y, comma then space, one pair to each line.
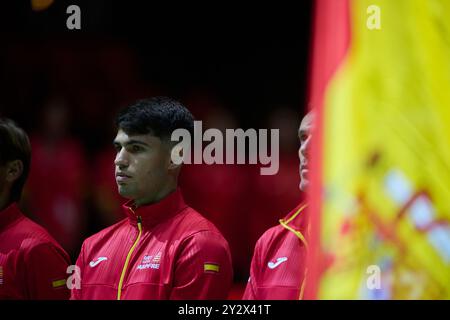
124, 192
303, 185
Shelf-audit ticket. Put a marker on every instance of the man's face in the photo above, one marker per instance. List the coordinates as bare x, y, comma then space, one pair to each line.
141, 166
305, 135
9, 173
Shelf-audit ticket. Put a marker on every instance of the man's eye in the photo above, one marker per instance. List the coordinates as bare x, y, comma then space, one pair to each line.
117, 148
136, 148
303, 137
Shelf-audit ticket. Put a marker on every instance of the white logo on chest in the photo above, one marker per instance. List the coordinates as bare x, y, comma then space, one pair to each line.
273, 265
93, 263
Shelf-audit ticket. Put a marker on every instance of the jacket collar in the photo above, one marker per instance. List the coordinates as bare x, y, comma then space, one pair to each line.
155, 213
298, 218
9, 215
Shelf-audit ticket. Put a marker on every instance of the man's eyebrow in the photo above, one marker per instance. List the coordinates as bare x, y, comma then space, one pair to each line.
129, 142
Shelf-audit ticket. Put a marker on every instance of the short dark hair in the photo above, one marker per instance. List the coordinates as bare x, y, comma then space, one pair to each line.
158, 116
15, 145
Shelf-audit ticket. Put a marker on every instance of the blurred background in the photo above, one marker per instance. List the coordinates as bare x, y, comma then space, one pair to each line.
233, 67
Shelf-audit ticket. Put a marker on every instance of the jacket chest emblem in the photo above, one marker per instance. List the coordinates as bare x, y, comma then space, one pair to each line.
150, 262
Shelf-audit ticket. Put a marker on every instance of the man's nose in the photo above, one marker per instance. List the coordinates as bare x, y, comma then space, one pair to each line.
121, 160
304, 147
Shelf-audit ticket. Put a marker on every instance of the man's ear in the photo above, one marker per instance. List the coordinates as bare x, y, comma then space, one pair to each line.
14, 170
176, 156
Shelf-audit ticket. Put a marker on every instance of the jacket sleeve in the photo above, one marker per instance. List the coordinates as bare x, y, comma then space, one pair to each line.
255, 267
203, 268
46, 267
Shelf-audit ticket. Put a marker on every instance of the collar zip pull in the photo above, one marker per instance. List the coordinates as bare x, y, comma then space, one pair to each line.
138, 218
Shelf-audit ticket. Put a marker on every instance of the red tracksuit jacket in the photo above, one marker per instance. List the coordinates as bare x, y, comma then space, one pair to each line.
32, 264
165, 250
277, 270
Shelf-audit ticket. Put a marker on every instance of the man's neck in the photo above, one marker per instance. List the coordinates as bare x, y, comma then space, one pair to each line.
4, 201
156, 198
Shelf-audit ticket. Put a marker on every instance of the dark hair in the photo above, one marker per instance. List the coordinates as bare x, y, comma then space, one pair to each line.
15, 145
158, 116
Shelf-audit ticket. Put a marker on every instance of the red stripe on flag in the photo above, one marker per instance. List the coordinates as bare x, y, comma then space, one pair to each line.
330, 43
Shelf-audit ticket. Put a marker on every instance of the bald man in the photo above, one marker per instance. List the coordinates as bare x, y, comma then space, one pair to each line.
277, 270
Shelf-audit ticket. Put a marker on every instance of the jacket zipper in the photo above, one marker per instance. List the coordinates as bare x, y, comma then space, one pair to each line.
127, 261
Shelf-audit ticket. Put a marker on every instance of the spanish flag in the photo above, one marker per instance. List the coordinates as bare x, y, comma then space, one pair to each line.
380, 184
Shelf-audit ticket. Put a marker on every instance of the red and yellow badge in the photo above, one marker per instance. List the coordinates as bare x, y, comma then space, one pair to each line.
211, 267
58, 283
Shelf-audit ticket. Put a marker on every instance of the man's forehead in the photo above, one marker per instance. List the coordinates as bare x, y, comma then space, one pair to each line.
307, 122
123, 137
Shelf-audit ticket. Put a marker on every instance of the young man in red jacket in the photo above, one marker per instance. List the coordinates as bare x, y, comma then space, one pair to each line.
163, 249
32, 264
277, 269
